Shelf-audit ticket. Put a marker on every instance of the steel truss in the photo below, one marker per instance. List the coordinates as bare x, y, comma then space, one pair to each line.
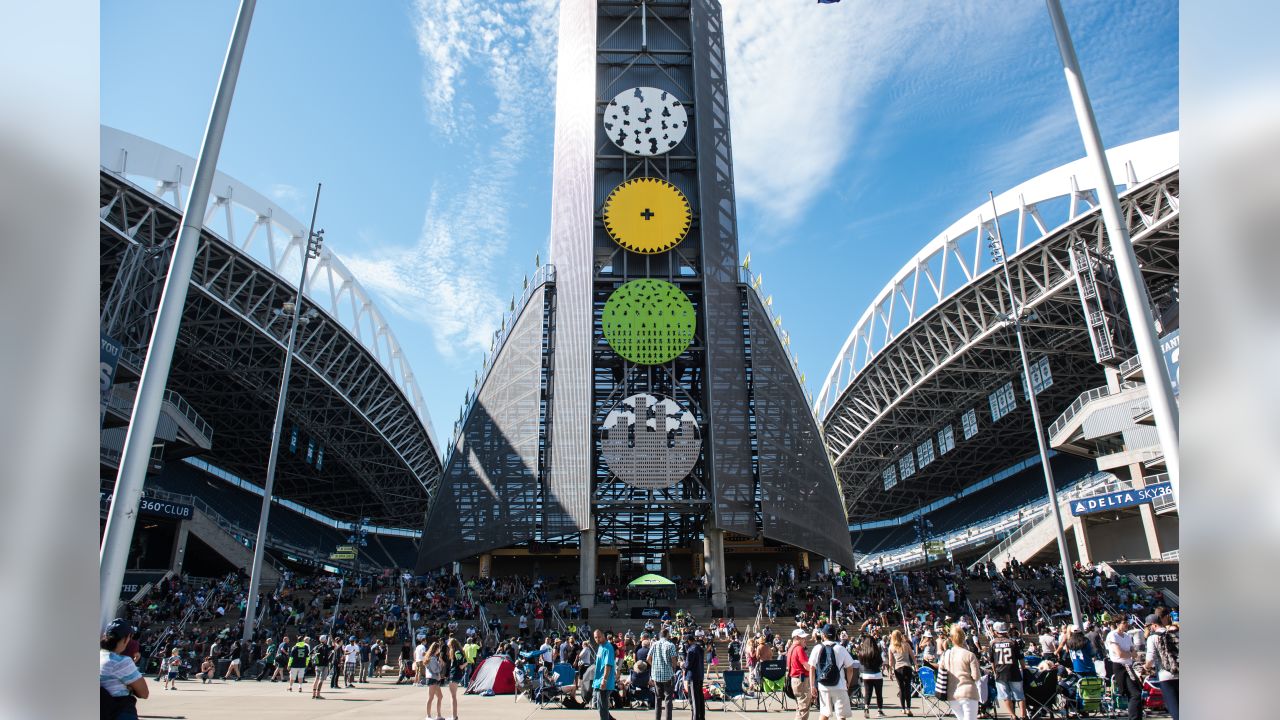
949, 360
380, 461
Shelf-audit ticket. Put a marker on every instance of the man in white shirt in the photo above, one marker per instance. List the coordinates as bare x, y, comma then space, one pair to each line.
352, 652
833, 699
420, 662
1120, 654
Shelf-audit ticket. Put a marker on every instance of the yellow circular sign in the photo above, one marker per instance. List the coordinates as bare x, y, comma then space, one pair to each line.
647, 215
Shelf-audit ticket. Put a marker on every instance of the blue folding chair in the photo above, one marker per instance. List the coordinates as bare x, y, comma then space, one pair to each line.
733, 691
933, 707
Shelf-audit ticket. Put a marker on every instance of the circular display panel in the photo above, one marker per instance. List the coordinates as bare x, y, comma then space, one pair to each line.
647, 215
648, 322
645, 121
650, 441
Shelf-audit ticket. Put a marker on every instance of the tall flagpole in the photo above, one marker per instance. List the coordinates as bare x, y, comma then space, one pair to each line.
310, 249
1015, 312
155, 369
1136, 299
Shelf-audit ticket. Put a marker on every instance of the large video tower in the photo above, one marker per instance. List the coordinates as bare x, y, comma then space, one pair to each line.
670, 412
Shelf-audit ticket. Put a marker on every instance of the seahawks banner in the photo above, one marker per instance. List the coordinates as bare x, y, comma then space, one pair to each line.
1121, 499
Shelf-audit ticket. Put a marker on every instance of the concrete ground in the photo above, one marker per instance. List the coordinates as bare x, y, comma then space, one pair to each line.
382, 698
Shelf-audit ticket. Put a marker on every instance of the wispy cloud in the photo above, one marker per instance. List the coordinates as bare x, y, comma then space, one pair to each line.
806, 80
499, 57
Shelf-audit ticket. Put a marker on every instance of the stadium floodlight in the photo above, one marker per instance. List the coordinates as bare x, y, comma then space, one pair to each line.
1134, 289
996, 245
131, 478
293, 310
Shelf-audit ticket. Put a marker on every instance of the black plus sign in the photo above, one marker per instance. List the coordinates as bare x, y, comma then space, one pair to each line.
647, 214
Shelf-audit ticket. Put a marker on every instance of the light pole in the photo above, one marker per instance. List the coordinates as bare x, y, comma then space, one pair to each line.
294, 311
996, 245
1132, 286
132, 476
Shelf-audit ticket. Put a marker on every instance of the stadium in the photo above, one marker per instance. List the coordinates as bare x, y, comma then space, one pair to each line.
607, 485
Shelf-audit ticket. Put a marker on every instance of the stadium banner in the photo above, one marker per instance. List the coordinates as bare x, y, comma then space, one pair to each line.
1159, 575
1171, 348
1121, 499
152, 506
935, 547
110, 359
640, 613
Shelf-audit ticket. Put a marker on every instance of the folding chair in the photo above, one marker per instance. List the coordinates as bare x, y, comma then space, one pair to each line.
773, 684
1089, 694
681, 698
733, 692
933, 707
565, 677
1041, 689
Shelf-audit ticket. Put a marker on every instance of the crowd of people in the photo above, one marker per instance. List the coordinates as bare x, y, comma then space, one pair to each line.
996, 636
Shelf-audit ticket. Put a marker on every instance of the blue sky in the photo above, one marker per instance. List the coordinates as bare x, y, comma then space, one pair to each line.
860, 131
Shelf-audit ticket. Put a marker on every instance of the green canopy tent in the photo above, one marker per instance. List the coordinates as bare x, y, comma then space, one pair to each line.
650, 581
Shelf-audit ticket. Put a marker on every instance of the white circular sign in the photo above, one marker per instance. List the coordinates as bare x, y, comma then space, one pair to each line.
650, 441
645, 121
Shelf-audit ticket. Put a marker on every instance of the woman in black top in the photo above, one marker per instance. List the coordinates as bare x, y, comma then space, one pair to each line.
872, 672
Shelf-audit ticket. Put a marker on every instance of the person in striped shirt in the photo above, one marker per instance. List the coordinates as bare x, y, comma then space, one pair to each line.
119, 681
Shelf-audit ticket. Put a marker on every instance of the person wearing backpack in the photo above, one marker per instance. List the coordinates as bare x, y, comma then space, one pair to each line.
830, 675
1162, 660
798, 673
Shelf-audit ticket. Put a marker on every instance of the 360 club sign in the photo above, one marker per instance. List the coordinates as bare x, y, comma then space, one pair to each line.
152, 506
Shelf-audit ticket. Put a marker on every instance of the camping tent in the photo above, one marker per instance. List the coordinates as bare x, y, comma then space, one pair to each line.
650, 581
495, 674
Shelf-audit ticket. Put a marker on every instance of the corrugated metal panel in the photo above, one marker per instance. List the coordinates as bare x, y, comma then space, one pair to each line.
569, 481
799, 497
490, 495
1110, 420
728, 431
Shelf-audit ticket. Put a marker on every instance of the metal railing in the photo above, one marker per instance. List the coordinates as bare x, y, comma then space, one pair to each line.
979, 531
1084, 399
120, 402
1129, 365
1100, 485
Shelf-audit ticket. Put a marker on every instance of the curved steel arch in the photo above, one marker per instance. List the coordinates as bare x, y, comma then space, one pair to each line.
961, 248
282, 243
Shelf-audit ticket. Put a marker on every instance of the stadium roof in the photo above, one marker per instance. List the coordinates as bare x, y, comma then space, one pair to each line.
936, 342
353, 392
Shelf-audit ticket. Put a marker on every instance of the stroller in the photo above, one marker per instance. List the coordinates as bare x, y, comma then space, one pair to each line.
1152, 697
987, 696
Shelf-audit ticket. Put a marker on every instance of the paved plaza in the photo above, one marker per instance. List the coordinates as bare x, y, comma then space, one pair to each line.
383, 699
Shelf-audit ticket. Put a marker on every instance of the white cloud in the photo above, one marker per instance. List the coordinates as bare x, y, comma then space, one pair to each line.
501, 54
803, 79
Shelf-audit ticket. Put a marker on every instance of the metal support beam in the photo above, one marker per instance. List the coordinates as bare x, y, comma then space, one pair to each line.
1134, 289
131, 478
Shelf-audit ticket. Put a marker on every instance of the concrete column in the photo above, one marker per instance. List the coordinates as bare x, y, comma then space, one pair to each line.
179, 548
587, 568
1080, 529
1148, 516
485, 568
713, 557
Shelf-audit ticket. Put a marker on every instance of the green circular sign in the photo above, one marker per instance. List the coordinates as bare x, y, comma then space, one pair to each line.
648, 322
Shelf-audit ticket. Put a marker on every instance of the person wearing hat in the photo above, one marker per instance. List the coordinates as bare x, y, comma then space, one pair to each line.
929, 649
119, 682
833, 699
1007, 658
798, 672
694, 672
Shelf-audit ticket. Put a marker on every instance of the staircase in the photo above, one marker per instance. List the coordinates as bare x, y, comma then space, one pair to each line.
1039, 531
